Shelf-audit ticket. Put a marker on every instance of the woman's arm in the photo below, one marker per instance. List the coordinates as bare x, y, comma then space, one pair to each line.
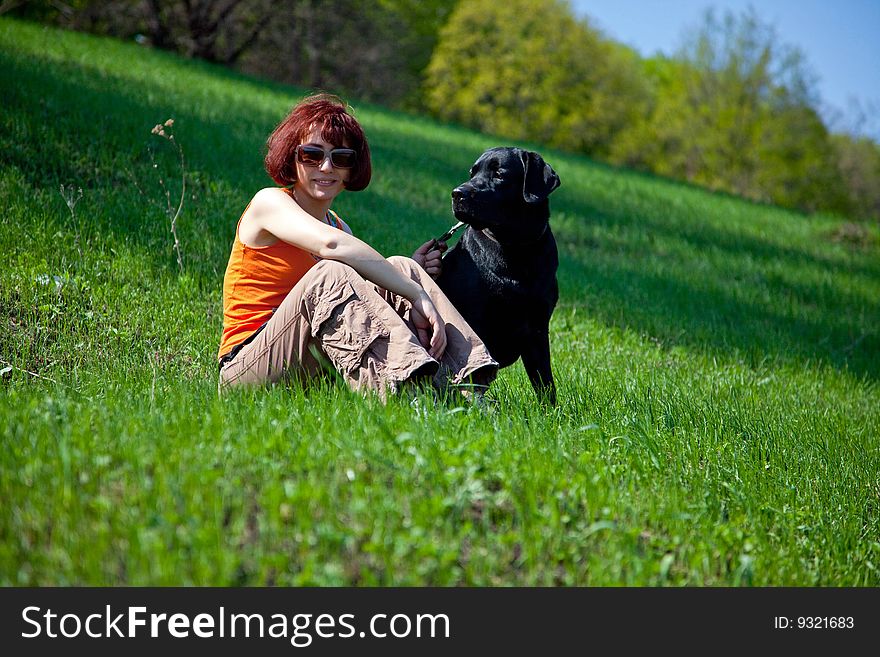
274, 212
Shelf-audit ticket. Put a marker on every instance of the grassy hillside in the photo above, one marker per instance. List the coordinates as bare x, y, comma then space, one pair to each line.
717, 364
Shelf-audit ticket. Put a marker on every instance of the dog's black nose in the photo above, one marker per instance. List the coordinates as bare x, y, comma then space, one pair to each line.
460, 193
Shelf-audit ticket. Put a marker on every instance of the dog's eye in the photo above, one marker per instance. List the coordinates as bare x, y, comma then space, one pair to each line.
498, 174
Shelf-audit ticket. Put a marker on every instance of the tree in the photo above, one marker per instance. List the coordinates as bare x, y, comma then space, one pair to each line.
374, 50
420, 22
529, 70
217, 31
859, 161
735, 110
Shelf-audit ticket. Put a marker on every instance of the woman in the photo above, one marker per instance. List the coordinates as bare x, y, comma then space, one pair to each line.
300, 290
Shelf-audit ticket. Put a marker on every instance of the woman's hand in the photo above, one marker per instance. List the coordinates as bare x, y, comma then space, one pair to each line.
430, 327
428, 256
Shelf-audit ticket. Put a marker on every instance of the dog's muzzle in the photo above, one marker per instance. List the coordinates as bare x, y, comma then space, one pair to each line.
463, 204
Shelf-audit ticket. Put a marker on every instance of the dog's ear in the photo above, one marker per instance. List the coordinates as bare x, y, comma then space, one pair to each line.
539, 178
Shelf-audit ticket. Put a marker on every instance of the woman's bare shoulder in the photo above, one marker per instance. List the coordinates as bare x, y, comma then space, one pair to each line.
265, 204
270, 198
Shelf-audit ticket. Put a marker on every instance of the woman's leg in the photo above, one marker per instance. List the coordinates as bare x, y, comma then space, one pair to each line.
333, 314
466, 359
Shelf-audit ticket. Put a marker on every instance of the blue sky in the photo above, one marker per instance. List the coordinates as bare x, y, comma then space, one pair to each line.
840, 39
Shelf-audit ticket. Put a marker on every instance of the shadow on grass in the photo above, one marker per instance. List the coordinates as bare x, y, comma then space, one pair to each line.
751, 295
664, 219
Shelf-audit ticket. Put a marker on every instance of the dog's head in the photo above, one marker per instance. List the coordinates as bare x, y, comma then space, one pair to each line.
507, 193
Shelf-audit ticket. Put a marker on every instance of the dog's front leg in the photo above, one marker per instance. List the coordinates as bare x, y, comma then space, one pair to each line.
536, 360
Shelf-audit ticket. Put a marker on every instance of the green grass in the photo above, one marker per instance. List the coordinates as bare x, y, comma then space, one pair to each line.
717, 364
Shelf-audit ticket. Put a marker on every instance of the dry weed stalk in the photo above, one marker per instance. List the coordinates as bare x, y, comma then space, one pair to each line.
164, 130
72, 196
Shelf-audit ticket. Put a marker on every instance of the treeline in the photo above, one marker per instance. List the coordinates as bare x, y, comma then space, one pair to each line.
374, 50
733, 110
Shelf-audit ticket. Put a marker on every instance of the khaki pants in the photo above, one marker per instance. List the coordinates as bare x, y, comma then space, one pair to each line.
364, 331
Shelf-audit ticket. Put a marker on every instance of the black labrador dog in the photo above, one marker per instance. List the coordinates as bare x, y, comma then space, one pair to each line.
501, 276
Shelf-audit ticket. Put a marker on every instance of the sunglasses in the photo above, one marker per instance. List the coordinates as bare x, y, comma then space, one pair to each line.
314, 156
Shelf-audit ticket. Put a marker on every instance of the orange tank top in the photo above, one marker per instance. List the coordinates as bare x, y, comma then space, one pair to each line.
257, 280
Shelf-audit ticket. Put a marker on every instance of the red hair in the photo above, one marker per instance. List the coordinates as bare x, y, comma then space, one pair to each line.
337, 126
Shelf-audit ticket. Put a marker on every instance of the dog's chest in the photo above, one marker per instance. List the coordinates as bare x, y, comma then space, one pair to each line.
514, 274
